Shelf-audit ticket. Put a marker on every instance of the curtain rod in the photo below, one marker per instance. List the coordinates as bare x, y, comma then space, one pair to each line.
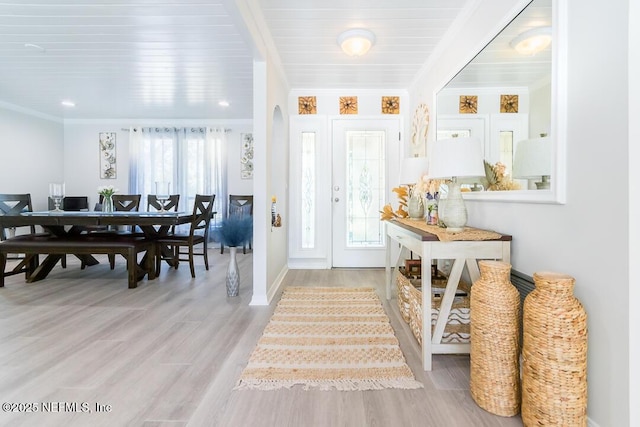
182, 127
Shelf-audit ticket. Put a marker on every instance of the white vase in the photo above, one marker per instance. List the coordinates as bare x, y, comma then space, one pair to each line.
233, 274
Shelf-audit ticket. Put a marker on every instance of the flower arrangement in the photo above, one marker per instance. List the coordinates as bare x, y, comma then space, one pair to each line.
425, 186
236, 230
497, 177
387, 211
107, 190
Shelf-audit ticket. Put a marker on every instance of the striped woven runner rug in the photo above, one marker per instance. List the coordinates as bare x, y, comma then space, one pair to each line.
329, 339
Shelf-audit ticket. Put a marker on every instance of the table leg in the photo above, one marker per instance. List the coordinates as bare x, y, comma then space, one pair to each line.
427, 346
165, 251
60, 231
44, 268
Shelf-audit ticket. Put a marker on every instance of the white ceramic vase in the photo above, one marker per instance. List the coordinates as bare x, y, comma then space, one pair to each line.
233, 274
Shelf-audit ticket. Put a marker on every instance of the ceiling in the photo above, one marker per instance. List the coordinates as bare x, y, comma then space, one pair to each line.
498, 65
177, 59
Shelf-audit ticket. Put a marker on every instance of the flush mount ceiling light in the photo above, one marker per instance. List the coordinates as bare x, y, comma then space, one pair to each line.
68, 103
35, 47
223, 103
356, 41
532, 41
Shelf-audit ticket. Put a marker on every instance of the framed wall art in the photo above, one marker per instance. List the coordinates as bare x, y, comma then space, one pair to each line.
107, 147
390, 105
348, 105
468, 104
246, 159
307, 105
508, 103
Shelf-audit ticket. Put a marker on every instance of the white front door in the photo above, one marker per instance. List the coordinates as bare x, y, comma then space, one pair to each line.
359, 190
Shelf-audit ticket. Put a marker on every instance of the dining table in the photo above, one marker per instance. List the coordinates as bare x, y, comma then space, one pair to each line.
75, 223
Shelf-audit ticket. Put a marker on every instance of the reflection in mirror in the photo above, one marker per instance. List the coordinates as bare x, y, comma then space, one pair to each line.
505, 98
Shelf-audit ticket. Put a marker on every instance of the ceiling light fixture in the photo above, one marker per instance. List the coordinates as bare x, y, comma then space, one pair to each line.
68, 103
223, 103
35, 46
356, 41
532, 41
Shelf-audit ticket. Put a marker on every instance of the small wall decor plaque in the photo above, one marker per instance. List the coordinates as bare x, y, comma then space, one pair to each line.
468, 104
390, 105
246, 160
348, 105
508, 103
420, 130
307, 105
107, 147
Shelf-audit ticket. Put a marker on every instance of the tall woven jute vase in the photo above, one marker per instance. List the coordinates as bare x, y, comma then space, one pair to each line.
554, 354
495, 336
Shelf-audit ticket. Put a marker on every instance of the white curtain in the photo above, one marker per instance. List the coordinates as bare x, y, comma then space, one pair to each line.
192, 159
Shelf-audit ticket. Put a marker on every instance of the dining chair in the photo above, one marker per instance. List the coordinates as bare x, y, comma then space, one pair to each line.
72, 203
121, 202
241, 206
171, 204
198, 235
126, 202
14, 204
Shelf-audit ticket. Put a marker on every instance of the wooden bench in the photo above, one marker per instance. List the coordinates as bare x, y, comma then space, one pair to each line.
33, 245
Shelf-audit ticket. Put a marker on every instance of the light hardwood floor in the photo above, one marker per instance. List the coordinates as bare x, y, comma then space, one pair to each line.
169, 353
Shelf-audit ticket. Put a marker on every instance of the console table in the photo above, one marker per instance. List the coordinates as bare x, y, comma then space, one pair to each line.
429, 247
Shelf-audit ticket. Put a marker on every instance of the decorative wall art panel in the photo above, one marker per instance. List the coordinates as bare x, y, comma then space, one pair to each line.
508, 103
307, 105
348, 105
246, 160
107, 147
420, 130
390, 105
468, 104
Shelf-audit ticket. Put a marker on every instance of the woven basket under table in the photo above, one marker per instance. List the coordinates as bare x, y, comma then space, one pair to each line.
403, 285
457, 329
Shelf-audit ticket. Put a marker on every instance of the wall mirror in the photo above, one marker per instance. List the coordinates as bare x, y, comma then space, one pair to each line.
514, 102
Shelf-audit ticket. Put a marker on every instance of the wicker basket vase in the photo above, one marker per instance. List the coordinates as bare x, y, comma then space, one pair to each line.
554, 354
495, 336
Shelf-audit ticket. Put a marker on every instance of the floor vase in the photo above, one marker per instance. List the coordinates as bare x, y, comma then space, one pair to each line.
495, 336
233, 274
554, 354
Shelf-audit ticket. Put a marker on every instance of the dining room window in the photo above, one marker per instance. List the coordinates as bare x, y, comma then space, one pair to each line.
192, 159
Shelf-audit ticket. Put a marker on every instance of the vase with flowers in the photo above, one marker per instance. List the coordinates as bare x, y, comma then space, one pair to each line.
432, 208
107, 192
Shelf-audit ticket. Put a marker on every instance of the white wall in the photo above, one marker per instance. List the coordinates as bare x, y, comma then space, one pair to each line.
634, 213
81, 155
574, 238
31, 153
269, 244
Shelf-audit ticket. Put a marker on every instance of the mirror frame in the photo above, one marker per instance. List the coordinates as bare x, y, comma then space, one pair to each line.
558, 128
